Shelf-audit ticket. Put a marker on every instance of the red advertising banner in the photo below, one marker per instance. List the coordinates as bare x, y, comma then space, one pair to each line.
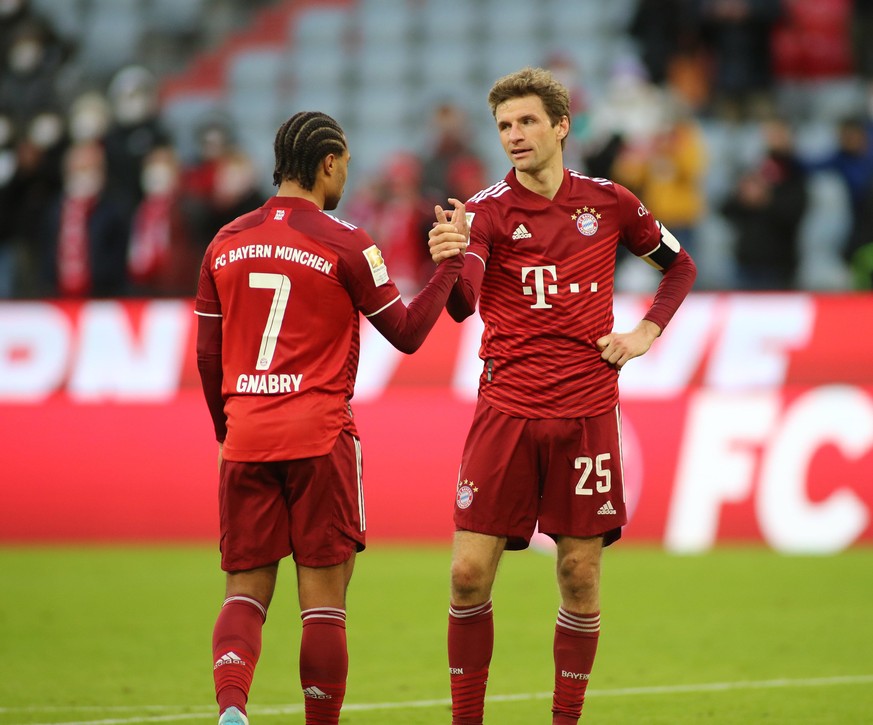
750, 419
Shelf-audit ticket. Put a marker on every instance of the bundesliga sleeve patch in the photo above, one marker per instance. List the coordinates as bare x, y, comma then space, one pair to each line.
377, 265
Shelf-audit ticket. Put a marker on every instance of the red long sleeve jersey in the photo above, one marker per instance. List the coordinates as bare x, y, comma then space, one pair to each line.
547, 290
287, 281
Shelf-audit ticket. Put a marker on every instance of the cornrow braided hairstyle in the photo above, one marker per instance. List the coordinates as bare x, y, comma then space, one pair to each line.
301, 144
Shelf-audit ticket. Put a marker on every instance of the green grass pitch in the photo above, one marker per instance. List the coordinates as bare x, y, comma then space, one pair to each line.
737, 636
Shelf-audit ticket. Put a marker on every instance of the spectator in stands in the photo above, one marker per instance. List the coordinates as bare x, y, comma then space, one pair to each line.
215, 139
737, 32
852, 162
860, 250
29, 70
629, 113
398, 218
862, 31
8, 205
136, 129
452, 168
162, 259
234, 191
86, 230
765, 210
663, 29
89, 117
38, 181
812, 59
667, 174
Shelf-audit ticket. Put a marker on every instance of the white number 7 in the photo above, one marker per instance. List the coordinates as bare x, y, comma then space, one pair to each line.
282, 286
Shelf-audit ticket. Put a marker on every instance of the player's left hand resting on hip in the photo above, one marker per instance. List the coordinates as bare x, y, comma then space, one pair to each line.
617, 348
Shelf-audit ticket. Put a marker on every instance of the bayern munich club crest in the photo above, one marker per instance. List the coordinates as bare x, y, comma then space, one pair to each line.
466, 489
586, 220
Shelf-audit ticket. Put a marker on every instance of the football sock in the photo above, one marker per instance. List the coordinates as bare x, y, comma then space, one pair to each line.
324, 664
471, 643
236, 646
575, 645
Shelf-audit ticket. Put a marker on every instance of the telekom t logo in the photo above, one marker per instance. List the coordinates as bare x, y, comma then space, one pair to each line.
540, 284
540, 288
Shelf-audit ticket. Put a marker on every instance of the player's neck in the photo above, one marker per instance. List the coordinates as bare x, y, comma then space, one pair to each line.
545, 181
292, 188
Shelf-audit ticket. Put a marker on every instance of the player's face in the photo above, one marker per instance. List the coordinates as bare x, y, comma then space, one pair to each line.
528, 137
337, 181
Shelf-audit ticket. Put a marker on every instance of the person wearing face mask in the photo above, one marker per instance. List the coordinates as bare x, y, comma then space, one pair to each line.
31, 63
162, 258
135, 129
86, 231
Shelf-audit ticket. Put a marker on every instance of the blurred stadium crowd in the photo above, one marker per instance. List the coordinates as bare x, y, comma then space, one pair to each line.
131, 130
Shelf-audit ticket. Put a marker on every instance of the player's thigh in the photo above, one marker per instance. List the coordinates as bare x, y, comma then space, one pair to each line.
583, 490
252, 514
327, 517
498, 486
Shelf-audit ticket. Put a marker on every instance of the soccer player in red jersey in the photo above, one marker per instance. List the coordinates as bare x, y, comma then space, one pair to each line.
544, 446
278, 304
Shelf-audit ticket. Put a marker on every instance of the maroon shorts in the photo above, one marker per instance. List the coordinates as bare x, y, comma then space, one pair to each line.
565, 474
312, 508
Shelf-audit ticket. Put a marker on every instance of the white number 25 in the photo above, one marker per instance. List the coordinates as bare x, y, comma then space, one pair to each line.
603, 482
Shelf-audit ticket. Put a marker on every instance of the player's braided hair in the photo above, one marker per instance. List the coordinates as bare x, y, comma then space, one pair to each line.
301, 144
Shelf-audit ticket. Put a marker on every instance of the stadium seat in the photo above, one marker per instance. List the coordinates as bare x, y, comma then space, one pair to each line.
318, 65
383, 64
327, 99
67, 17
183, 116
446, 63
388, 25
173, 16
459, 18
320, 27
257, 69
110, 37
510, 21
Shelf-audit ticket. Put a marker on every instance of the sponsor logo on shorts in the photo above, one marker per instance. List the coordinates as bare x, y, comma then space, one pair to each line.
606, 509
466, 489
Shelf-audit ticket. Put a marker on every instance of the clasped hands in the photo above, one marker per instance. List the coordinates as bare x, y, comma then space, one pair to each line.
448, 237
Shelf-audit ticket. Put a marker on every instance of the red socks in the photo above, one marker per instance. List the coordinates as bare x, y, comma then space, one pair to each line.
575, 645
236, 646
324, 664
471, 643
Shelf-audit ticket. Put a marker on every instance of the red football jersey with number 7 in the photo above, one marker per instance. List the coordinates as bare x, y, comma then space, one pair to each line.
288, 281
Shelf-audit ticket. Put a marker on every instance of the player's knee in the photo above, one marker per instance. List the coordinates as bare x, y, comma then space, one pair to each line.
578, 576
470, 582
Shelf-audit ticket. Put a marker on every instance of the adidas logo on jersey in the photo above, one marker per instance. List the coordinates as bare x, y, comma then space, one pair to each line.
231, 658
521, 232
315, 693
607, 508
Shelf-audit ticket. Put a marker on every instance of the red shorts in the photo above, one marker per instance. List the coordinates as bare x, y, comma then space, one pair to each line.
312, 508
565, 474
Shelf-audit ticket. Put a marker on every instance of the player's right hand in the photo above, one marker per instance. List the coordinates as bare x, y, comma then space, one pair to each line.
448, 237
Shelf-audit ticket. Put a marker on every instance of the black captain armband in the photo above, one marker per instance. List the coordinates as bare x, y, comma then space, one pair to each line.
662, 256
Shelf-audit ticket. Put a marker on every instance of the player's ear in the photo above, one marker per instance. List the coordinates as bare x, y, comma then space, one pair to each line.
328, 164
